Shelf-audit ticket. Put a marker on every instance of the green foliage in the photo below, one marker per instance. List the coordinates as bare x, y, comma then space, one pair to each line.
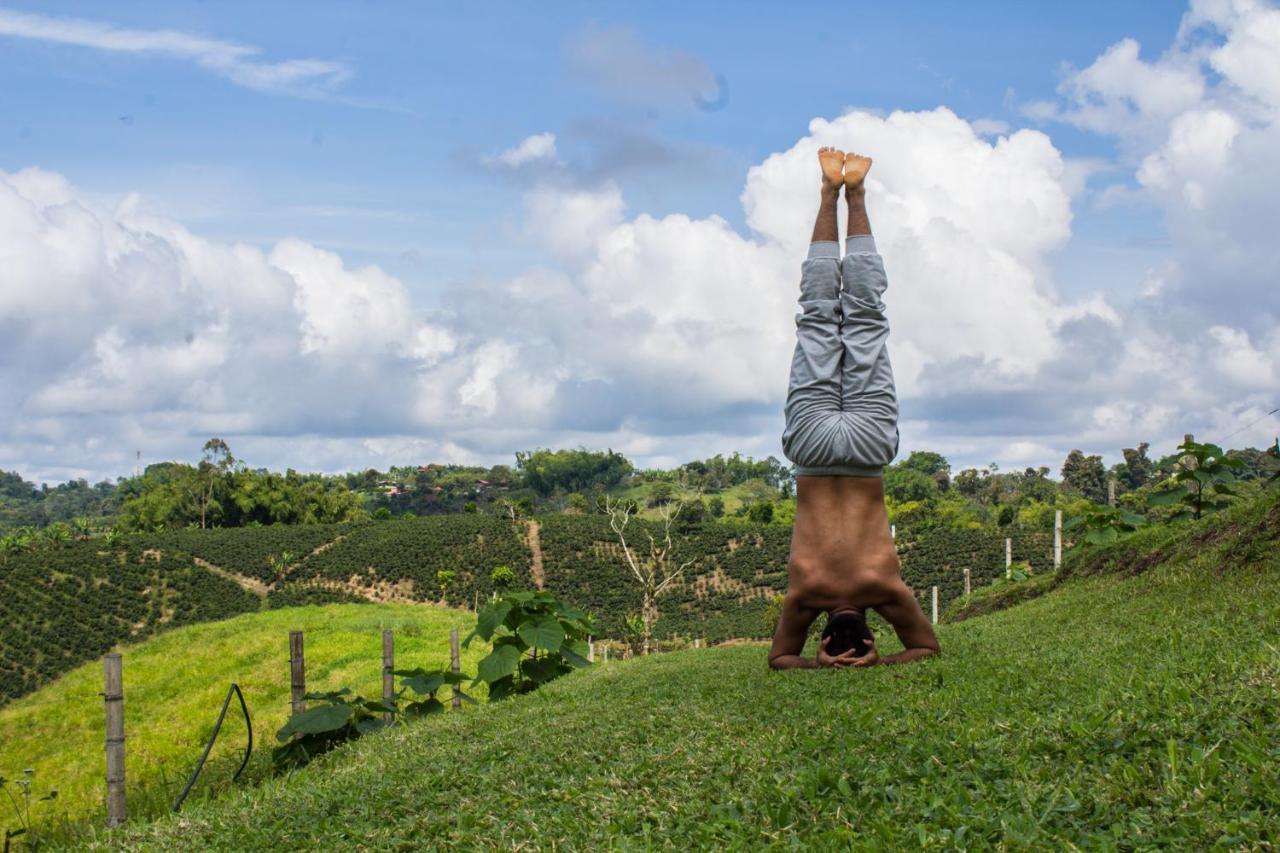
502, 577
62, 606
721, 472
1135, 712
908, 484
535, 637
17, 793
715, 506
302, 594
1085, 475
547, 471
761, 512
412, 552
1103, 525
339, 718
470, 506
772, 614
1205, 482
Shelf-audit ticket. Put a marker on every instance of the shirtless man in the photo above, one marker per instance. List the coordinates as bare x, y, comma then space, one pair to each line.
841, 430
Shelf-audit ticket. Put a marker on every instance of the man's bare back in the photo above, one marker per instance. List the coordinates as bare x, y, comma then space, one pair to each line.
843, 560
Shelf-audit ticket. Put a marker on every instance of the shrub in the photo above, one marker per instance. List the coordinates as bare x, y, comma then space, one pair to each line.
537, 624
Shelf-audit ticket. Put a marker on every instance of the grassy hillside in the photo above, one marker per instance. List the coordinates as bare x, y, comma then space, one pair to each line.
1124, 709
174, 686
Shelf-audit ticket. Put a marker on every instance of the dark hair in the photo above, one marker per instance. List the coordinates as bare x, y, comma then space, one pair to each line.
847, 630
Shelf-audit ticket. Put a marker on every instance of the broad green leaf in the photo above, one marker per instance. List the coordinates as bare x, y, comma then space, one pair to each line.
499, 663
576, 653
424, 684
491, 617
502, 688
1164, 498
521, 595
545, 633
541, 670
426, 706
325, 718
370, 725
1223, 489
1132, 518
1073, 522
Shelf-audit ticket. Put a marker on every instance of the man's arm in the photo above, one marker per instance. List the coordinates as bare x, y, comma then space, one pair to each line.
907, 618
788, 639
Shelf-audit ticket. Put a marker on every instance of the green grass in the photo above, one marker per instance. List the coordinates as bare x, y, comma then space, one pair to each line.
1118, 711
174, 686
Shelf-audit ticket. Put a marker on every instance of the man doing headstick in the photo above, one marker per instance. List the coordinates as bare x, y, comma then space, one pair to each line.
841, 430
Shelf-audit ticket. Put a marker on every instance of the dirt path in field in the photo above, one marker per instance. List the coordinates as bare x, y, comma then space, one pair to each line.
254, 585
535, 546
296, 564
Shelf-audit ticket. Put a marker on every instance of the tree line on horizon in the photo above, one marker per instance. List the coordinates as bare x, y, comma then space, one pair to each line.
220, 490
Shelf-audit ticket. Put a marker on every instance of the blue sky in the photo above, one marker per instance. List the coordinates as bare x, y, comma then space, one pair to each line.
384, 155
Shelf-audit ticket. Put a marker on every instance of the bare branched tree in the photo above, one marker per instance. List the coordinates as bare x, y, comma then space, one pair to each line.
655, 571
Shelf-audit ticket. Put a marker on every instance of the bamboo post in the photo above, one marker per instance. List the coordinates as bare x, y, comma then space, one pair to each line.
297, 673
1057, 538
591, 650
113, 699
967, 588
1008, 552
388, 672
935, 605
455, 664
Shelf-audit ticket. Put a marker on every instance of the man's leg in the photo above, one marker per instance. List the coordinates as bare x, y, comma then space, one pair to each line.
868, 392
814, 389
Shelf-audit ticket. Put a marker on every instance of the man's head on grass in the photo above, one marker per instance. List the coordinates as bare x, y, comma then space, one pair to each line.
846, 630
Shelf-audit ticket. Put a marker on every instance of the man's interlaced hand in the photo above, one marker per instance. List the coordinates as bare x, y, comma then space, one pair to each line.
848, 658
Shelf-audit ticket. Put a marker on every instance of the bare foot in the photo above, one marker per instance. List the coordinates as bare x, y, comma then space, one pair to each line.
832, 162
855, 171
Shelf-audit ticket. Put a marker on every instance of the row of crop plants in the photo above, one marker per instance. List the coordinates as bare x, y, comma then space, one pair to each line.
435, 558
61, 607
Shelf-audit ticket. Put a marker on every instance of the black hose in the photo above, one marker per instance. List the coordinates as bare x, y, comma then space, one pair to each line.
248, 725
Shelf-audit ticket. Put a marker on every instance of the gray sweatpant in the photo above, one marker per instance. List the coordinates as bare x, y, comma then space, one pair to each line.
842, 406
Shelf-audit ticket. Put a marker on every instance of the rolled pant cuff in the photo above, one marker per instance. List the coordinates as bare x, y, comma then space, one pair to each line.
824, 249
858, 244
838, 471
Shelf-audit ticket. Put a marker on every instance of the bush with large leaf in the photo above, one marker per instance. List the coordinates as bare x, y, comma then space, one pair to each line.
1205, 482
1103, 525
343, 718
535, 638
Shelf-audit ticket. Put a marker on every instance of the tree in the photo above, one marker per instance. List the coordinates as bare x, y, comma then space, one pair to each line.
1085, 475
908, 484
661, 493
655, 571
715, 506
933, 465
1138, 468
761, 512
545, 471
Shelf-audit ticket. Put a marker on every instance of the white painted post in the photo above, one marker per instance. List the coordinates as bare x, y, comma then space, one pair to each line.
113, 695
1008, 552
967, 588
935, 605
591, 650
1057, 538
893, 531
606, 654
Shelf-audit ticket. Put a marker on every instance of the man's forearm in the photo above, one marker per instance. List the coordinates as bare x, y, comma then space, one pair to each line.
792, 662
909, 655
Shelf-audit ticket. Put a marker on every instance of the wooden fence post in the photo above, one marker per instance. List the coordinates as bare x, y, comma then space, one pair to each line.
591, 650
935, 605
113, 699
967, 588
388, 672
455, 664
297, 673
606, 654
893, 531
1057, 538
1111, 491
1008, 552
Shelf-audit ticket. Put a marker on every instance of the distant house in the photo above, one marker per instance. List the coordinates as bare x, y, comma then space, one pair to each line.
482, 482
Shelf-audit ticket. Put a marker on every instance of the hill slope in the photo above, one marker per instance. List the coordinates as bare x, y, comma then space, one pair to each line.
174, 686
1131, 710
